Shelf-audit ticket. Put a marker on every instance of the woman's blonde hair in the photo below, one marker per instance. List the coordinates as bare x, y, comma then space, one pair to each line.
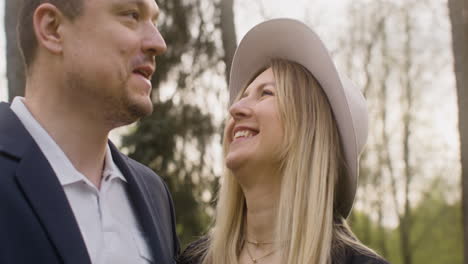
312, 164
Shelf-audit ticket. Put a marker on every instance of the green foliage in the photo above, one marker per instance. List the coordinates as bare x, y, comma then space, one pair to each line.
436, 232
173, 141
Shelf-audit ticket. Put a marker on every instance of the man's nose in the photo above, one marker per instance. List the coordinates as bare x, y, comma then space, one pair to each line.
153, 43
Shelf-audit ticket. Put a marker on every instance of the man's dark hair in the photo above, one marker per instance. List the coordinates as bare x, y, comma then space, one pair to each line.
26, 37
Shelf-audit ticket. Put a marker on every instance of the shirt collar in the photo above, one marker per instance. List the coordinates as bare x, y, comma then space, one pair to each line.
110, 168
63, 168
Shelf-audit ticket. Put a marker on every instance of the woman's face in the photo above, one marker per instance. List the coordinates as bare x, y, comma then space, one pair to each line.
254, 132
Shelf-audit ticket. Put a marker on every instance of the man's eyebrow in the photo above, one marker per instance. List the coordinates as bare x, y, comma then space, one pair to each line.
141, 4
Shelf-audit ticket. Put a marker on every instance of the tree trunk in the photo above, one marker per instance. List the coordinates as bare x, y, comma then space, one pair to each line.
458, 10
406, 218
229, 33
15, 66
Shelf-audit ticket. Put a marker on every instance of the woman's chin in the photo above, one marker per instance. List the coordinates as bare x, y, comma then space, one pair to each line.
234, 162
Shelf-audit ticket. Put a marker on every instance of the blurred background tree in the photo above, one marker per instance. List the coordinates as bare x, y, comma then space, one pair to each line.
15, 68
389, 52
459, 20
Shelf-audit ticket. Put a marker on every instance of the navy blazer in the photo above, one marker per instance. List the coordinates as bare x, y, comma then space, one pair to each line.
37, 224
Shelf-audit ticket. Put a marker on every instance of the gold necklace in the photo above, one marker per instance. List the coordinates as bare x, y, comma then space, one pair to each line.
255, 260
258, 243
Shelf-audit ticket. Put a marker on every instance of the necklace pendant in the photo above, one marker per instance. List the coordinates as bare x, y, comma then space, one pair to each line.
254, 261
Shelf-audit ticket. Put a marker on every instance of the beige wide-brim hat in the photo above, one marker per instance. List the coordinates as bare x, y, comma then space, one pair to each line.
294, 41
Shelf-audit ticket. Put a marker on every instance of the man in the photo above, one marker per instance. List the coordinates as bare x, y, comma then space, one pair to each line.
67, 195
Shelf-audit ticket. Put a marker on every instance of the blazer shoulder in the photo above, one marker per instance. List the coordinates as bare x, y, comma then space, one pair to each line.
141, 169
144, 173
15, 140
157, 191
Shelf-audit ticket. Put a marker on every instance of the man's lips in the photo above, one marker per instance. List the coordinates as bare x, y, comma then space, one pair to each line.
145, 70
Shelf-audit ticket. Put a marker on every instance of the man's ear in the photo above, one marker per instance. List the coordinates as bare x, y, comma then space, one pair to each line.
47, 20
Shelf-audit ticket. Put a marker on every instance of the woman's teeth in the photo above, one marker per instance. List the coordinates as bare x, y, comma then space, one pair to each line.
243, 133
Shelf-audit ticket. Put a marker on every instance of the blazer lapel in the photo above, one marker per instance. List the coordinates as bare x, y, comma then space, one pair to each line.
148, 217
46, 195
42, 189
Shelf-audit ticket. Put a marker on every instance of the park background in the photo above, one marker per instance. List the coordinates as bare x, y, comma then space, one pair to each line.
400, 53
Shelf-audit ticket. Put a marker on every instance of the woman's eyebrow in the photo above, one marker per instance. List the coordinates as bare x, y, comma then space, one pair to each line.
266, 84
260, 86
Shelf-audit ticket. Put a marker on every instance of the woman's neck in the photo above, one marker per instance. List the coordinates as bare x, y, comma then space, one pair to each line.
260, 245
261, 187
262, 208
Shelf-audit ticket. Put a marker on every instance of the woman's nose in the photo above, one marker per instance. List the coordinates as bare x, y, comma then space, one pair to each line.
240, 109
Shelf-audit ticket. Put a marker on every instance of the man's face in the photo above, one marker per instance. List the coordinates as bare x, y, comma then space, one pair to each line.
109, 58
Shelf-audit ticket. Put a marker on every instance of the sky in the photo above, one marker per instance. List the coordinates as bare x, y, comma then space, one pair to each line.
331, 14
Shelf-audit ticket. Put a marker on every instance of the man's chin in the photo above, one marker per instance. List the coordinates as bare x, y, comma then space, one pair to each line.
132, 112
140, 109
145, 108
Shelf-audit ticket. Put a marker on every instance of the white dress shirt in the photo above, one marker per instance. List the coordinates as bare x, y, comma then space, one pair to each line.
105, 216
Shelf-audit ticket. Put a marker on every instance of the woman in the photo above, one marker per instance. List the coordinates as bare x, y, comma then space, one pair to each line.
292, 148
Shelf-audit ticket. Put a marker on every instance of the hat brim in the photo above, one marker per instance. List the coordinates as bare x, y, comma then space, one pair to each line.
294, 41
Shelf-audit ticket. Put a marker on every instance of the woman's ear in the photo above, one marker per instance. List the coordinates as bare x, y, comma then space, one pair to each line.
47, 20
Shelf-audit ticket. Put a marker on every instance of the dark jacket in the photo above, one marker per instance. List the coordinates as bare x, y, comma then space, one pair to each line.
37, 224
346, 256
